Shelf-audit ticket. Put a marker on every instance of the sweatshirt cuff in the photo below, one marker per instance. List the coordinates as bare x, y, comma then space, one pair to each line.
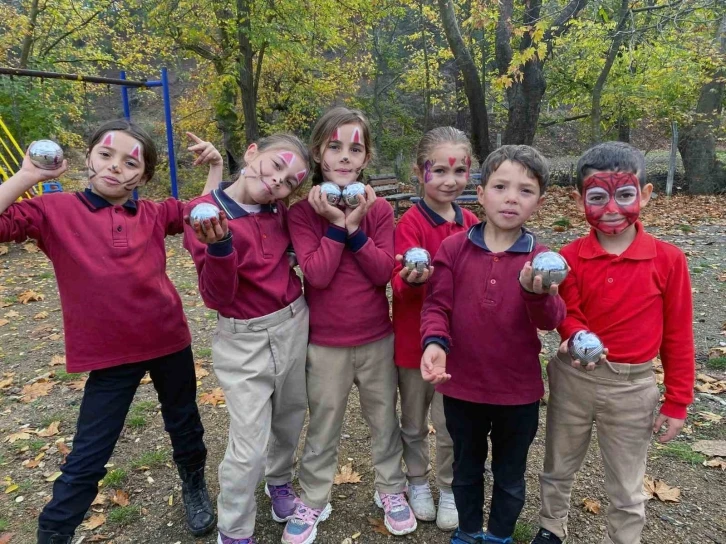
674, 409
222, 248
336, 234
440, 340
356, 240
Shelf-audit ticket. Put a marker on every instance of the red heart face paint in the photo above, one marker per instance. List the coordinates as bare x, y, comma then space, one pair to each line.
452, 161
612, 201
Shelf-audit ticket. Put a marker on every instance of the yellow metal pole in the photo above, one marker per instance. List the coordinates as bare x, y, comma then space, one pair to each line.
2, 157
12, 155
5, 128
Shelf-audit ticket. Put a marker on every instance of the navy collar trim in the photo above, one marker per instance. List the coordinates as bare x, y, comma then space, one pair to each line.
95, 202
230, 207
435, 219
524, 244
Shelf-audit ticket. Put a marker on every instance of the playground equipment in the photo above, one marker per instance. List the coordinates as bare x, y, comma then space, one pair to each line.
9, 157
125, 85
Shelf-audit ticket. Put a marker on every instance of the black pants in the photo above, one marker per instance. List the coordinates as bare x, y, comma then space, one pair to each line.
512, 431
106, 401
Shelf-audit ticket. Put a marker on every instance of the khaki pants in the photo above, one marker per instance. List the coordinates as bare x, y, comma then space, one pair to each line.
619, 399
331, 373
260, 364
417, 395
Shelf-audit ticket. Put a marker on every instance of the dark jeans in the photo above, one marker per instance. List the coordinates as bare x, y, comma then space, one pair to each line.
106, 401
512, 432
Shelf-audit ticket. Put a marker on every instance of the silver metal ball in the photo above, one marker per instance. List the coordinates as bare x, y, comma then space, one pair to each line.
352, 194
586, 347
332, 192
551, 266
417, 258
203, 212
46, 154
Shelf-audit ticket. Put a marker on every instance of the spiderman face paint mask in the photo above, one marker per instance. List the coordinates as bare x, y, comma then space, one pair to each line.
612, 201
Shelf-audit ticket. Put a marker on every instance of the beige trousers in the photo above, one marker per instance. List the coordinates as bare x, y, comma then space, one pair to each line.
331, 373
417, 396
620, 400
260, 364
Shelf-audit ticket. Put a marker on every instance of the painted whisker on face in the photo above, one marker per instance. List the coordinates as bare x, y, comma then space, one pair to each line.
326, 167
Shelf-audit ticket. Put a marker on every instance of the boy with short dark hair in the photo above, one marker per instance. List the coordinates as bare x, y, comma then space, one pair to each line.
479, 329
634, 292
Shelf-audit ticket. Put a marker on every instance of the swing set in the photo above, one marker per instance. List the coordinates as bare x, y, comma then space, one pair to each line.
122, 82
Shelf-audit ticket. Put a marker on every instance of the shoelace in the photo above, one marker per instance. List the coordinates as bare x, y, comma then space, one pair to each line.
393, 501
305, 514
280, 491
447, 501
421, 491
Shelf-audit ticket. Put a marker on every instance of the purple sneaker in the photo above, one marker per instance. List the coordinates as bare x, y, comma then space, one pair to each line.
283, 501
398, 518
222, 539
302, 528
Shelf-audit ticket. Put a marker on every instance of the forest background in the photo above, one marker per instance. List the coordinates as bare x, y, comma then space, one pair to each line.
554, 73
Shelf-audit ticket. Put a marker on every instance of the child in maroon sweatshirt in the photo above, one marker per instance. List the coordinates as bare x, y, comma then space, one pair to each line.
346, 256
479, 328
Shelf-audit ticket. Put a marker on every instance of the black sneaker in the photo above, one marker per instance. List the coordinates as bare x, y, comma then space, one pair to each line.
49, 537
198, 507
545, 537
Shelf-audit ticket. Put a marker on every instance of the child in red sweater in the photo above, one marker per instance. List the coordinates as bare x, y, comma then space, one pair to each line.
443, 160
634, 292
346, 256
479, 329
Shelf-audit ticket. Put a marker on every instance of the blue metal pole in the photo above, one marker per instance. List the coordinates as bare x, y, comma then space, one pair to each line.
169, 132
125, 98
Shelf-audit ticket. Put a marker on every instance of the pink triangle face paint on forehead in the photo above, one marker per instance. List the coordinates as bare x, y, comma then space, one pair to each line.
287, 156
136, 152
355, 138
301, 175
335, 136
108, 139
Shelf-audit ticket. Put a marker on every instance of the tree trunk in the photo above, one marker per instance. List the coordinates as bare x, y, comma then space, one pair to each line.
29, 36
228, 123
472, 85
704, 172
427, 83
595, 109
246, 79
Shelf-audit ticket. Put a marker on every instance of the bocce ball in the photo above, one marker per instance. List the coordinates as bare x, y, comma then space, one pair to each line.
203, 212
352, 194
586, 347
551, 267
332, 192
416, 258
46, 154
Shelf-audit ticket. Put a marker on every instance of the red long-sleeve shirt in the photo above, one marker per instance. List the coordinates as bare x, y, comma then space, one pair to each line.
345, 277
639, 303
477, 308
422, 227
118, 304
248, 275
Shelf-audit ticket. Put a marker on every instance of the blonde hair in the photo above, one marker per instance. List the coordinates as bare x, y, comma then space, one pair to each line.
285, 142
436, 137
325, 127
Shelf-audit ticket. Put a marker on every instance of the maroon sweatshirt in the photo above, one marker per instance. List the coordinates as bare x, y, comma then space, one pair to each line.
345, 276
479, 312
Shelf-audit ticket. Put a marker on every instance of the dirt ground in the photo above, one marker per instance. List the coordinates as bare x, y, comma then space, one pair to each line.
31, 447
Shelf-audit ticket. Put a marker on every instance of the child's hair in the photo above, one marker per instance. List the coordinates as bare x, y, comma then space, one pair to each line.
285, 142
436, 137
532, 160
611, 157
324, 128
135, 131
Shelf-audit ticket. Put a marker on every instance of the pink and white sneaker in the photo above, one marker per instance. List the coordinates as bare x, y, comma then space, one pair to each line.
302, 528
398, 518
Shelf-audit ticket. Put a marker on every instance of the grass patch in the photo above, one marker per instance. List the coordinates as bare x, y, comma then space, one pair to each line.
717, 363
25, 486
46, 275
36, 445
4, 524
151, 459
114, 478
3, 460
10, 300
124, 515
524, 532
563, 222
136, 422
204, 352
681, 451
50, 418
687, 229
63, 376
142, 407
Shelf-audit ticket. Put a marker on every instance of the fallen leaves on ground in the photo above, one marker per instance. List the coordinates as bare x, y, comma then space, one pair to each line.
94, 522
79, 384
50, 430
4, 250
709, 384
120, 498
41, 315
31, 247
38, 389
30, 296
710, 416
146, 379
710, 448
53, 477
591, 505
20, 435
716, 462
7, 381
660, 490
3, 322
215, 397
200, 371
11, 314
378, 526
57, 360
100, 500
713, 353
346, 476
6, 537
63, 449
431, 429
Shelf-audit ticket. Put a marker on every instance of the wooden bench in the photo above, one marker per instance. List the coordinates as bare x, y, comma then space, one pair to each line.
388, 183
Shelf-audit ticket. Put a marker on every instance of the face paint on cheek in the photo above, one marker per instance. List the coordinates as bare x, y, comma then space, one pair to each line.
325, 167
611, 217
428, 176
130, 184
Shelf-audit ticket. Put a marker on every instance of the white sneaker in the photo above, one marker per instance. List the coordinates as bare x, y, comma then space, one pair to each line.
447, 518
421, 502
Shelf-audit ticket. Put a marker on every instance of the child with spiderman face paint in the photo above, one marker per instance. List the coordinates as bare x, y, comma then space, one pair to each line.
347, 258
260, 344
633, 291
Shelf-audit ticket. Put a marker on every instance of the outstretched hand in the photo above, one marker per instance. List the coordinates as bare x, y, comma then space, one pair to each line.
205, 151
211, 230
433, 365
34, 175
414, 276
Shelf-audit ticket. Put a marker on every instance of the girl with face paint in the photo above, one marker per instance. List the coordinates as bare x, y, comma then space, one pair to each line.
122, 315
